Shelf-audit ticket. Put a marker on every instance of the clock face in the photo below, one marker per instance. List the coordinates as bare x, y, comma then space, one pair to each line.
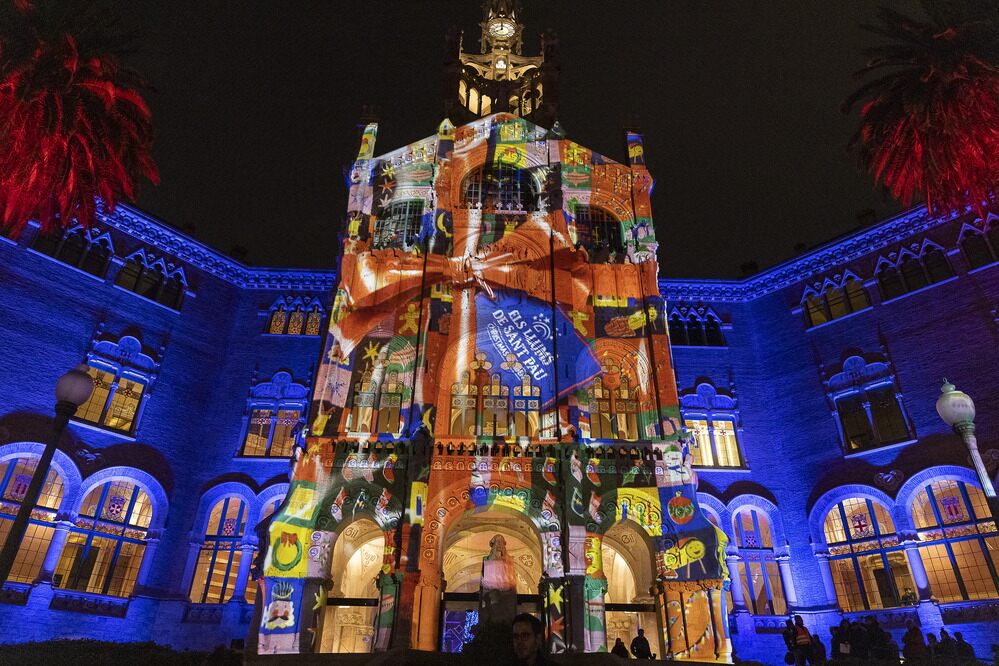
502, 29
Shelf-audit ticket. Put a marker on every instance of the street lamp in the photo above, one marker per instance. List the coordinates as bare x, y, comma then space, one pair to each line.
957, 410
72, 390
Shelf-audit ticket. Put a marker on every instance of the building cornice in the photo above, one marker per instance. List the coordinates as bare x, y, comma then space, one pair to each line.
209, 260
827, 257
805, 267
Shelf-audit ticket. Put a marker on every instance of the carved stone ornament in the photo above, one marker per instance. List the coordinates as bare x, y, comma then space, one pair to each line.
889, 481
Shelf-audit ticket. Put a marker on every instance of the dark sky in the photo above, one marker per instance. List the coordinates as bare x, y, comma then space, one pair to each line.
256, 105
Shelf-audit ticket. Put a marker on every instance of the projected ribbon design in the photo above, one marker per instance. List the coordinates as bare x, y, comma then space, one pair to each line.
513, 274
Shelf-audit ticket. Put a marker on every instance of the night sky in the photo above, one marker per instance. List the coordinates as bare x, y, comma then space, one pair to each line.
256, 106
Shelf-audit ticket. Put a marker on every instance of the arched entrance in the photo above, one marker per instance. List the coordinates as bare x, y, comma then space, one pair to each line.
466, 544
630, 600
349, 625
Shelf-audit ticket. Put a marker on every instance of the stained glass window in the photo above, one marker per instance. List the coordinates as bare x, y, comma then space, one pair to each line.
114, 402
960, 541
762, 586
218, 561
15, 476
869, 568
105, 547
715, 441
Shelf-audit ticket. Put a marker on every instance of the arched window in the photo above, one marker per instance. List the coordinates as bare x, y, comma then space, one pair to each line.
218, 562
463, 92
762, 587
313, 323
937, 266
869, 568
473, 101
296, 321
463, 402
105, 546
890, 284
500, 187
695, 332
960, 550
390, 404
526, 408
598, 231
815, 307
976, 250
836, 301
149, 281
913, 274
856, 295
712, 331
626, 409
128, 276
76, 248
363, 404
399, 225
279, 317
600, 410
15, 476
496, 408
677, 330
487, 106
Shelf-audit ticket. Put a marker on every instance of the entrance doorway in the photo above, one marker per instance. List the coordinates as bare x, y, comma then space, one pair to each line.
629, 604
466, 545
349, 624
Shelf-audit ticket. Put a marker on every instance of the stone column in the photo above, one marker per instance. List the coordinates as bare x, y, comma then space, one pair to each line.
916, 568
735, 574
247, 552
389, 586
59, 535
784, 564
192, 562
148, 555
427, 609
822, 558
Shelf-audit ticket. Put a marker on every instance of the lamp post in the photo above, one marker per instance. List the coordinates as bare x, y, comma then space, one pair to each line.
957, 409
72, 390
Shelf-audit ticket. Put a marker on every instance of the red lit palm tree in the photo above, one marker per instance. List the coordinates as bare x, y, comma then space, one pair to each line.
929, 123
73, 126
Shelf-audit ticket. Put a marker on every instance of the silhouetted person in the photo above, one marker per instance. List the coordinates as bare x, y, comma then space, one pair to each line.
800, 641
913, 644
619, 649
964, 650
818, 652
932, 647
640, 646
528, 640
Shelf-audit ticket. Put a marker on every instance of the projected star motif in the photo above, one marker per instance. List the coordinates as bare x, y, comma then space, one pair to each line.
371, 352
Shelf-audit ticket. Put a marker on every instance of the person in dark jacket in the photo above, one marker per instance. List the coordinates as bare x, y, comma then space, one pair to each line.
948, 646
964, 650
640, 646
913, 644
619, 649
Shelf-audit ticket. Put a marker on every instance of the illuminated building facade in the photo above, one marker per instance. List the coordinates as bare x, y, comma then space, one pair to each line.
807, 391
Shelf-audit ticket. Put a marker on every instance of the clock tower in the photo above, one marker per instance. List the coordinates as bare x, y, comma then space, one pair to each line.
501, 78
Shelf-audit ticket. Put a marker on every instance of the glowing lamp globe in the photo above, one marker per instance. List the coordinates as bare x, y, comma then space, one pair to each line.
75, 386
953, 406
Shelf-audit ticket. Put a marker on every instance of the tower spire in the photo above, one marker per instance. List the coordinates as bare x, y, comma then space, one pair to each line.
500, 78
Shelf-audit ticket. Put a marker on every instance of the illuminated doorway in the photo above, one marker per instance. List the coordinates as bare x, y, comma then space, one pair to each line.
349, 625
466, 545
630, 602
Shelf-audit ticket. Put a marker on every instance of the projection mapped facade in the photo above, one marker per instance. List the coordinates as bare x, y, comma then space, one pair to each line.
497, 362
